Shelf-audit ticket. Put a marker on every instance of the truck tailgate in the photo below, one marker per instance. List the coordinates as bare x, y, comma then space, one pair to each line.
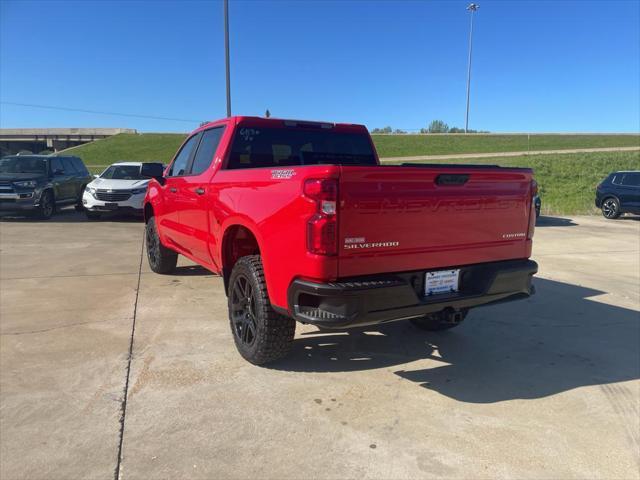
399, 218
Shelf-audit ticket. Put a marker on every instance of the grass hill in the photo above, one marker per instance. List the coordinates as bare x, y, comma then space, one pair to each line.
409, 145
162, 146
147, 147
567, 181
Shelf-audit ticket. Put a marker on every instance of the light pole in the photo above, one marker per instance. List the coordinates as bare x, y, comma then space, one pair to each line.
472, 8
226, 54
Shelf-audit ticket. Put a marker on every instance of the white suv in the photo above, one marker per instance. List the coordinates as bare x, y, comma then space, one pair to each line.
119, 188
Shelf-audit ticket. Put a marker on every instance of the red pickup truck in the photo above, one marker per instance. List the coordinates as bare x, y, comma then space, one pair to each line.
304, 224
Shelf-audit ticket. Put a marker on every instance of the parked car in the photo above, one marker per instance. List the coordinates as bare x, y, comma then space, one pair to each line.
619, 193
303, 223
41, 183
121, 187
537, 203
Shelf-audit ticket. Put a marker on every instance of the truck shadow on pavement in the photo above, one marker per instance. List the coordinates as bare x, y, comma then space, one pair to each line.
547, 221
556, 341
192, 271
70, 215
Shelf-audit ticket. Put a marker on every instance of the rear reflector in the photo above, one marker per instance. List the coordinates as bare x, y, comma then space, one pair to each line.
321, 235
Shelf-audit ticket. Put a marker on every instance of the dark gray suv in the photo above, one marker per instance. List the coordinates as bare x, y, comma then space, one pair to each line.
619, 193
40, 183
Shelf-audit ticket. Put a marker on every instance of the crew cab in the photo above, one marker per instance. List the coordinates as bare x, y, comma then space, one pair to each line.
304, 224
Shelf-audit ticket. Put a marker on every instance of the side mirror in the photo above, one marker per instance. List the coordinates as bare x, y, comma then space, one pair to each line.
153, 170
96, 175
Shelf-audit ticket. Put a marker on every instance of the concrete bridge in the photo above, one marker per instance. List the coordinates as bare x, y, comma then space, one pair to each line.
36, 140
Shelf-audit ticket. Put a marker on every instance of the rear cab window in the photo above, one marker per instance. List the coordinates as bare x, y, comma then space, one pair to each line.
259, 147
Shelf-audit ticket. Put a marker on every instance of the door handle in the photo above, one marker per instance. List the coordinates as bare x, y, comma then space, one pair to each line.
199, 191
173, 189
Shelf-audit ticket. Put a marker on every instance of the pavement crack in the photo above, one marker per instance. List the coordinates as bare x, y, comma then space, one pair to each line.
117, 474
44, 330
70, 276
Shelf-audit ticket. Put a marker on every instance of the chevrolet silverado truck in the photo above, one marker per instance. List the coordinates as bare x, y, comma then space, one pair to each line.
304, 224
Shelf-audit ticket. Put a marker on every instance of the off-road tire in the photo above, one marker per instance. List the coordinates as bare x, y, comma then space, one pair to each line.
161, 259
47, 205
610, 208
436, 322
260, 333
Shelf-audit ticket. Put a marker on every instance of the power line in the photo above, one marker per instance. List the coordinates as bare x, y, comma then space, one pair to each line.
98, 112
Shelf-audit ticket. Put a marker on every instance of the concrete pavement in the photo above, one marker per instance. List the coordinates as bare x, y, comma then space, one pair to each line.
544, 388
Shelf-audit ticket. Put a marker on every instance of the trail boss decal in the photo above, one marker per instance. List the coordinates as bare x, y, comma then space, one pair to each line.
282, 174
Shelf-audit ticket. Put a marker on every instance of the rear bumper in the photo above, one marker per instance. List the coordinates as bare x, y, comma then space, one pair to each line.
382, 298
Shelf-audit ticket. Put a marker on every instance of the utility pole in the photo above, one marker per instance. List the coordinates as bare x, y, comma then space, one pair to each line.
226, 54
472, 8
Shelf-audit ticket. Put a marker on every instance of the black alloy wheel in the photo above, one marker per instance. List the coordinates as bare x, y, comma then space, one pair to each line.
161, 259
610, 208
261, 334
243, 310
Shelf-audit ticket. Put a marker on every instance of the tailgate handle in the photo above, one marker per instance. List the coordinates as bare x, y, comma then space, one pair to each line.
452, 179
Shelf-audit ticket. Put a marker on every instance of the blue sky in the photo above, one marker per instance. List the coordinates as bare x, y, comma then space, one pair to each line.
538, 66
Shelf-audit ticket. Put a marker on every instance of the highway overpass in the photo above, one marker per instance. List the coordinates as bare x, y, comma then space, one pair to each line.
37, 140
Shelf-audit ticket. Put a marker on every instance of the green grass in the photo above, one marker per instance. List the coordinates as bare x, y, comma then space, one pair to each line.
147, 147
567, 181
162, 146
411, 145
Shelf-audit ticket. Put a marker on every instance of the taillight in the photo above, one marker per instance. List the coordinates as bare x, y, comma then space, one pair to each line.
532, 210
322, 230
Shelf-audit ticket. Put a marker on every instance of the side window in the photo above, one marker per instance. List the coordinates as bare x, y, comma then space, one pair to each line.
179, 165
206, 150
69, 168
631, 179
79, 166
56, 165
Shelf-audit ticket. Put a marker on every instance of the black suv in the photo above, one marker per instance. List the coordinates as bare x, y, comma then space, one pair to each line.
619, 193
40, 183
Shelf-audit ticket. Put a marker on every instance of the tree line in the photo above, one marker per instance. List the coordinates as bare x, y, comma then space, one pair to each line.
436, 126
